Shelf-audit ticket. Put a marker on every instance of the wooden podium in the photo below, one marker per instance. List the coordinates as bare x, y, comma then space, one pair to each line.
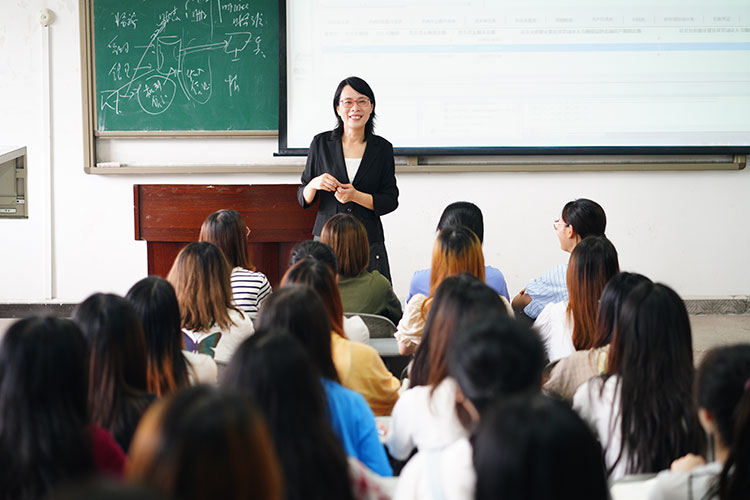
169, 216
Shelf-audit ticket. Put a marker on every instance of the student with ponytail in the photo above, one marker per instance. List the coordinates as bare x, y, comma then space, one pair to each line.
723, 400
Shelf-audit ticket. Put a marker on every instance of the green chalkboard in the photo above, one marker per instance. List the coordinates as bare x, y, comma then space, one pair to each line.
185, 65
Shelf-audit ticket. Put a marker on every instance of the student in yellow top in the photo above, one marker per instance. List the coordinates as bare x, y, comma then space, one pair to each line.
358, 365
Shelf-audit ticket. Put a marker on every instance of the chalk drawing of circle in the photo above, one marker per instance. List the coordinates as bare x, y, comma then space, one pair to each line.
157, 94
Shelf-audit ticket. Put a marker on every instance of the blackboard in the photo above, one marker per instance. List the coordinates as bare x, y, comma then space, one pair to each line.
186, 65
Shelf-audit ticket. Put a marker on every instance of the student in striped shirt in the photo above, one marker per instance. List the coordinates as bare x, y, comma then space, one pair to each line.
227, 230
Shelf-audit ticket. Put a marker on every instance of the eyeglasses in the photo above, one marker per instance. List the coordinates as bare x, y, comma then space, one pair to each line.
556, 224
361, 102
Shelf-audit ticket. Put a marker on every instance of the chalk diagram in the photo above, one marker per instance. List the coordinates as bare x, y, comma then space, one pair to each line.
168, 65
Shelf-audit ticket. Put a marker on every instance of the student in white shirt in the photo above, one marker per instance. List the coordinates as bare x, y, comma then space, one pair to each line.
723, 401
211, 323
227, 230
642, 407
570, 326
490, 359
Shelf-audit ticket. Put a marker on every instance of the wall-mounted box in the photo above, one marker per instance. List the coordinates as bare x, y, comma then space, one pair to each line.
13, 200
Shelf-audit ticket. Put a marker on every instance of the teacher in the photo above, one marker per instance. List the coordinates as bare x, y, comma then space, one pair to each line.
352, 170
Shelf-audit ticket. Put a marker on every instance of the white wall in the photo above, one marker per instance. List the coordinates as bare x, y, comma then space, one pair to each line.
688, 229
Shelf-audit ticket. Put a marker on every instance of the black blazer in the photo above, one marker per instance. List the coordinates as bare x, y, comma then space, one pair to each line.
376, 176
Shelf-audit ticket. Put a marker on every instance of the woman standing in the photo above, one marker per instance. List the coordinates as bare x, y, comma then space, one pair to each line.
351, 170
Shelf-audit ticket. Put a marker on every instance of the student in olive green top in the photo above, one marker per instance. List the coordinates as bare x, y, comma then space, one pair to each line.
361, 291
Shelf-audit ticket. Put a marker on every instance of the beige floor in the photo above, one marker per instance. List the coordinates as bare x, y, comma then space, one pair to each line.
708, 330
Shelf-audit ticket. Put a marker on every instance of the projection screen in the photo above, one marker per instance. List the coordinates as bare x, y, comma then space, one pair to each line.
524, 76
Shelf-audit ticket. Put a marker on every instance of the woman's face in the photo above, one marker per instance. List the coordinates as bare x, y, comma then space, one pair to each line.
568, 238
354, 109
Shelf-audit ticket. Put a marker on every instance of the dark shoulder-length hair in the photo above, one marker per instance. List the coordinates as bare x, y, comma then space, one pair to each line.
117, 393
43, 384
363, 88
458, 301
272, 369
586, 216
592, 263
200, 277
203, 442
614, 293
536, 448
156, 304
319, 277
652, 356
347, 236
227, 230
723, 389
299, 310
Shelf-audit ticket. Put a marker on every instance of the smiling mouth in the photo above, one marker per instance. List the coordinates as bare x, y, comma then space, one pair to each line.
355, 117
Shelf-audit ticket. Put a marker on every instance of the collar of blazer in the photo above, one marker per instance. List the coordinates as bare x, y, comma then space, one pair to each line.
337, 153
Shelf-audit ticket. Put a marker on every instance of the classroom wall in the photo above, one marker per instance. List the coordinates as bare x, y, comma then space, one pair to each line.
688, 229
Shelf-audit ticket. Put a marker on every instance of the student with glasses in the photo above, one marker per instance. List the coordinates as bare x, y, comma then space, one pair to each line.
351, 170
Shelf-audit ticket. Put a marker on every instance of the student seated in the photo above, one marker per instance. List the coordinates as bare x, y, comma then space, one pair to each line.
466, 214
723, 402
580, 219
362, 291
272, 370
533, 447
169, 367
641, 407
359, 366
456, 250
211, 323
491, 359
299, 310
570, 325
570, 372
45, 440
227, 230
354, 327
117, 365
202, 444
423, 417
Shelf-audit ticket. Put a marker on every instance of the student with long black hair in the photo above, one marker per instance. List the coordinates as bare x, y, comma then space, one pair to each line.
723, 400
299, 310
642, 407
44, 437
118, 387
274, 372
169, 366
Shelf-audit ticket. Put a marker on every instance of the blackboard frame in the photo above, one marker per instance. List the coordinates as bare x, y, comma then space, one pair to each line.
88, 86
662, 151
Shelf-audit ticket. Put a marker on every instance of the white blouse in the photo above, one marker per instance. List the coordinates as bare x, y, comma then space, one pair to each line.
555, 327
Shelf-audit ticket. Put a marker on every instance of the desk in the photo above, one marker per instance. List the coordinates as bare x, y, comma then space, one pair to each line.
169, 216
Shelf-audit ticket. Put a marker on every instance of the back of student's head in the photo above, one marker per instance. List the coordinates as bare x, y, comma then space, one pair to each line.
536, 448
586, 216
593, 263
200, 277
203, 443
723, 391
43, 385
273, 370
227, 230
299, 310
496, 357
463, 213
652, 355
347, 237
117, 356
155, 302
613, 295
321, 278
458, 300
316, 250
457, 250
